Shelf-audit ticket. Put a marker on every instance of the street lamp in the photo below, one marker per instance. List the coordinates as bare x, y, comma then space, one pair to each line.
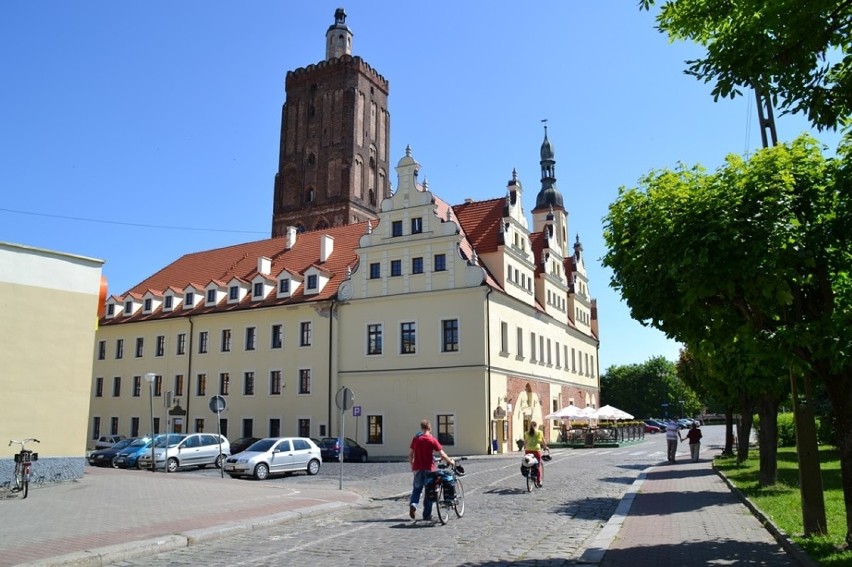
150, 378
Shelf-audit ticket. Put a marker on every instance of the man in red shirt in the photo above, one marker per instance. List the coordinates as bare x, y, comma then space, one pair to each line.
420, 456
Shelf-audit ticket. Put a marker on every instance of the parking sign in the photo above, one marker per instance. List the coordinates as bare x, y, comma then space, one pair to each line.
356, 411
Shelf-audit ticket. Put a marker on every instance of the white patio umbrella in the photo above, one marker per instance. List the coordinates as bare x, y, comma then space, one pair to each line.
572, 412
610, 412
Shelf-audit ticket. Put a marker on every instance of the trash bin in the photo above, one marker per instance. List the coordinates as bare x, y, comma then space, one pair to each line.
590, 439
520, 443
493, 445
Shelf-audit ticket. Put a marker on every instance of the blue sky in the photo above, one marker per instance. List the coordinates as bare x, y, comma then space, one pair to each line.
161, 120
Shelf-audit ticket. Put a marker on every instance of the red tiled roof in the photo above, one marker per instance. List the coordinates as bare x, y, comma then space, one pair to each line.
481, 222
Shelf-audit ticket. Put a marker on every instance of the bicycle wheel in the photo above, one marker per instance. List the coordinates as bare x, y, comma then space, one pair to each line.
530, 480
441, 507
458, 505
25, 489
19, 479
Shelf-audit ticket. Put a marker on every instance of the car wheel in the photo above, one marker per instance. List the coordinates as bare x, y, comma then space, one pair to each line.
313, 467
364, 458
261, 471
114, 464
220, 461
172, 465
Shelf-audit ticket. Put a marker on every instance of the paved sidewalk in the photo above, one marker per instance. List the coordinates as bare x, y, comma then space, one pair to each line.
684, 513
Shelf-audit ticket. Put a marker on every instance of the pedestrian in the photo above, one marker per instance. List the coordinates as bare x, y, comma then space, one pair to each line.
672, 437
694, 436
533, 444
423, 446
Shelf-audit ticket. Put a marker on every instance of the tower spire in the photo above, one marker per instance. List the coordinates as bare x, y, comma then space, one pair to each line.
338, 38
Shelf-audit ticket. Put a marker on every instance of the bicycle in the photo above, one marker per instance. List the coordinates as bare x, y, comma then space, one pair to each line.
445, 489
23, 466
530, 469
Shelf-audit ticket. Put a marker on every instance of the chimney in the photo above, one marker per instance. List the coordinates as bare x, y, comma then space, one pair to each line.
264, 264
290, 231
326, 247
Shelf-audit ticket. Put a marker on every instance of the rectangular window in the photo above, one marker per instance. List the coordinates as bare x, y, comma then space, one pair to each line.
119, 348
201, 385
113, 426
532, 348
99, 387
224, 383
161, 345
202, 342
304, 381
573, 361
446, 430
312, 281
504, 337
549, 360
277, 336
274, 427
101, 350
284, 286
541, 353
158, 386
396, 268
96, 427
226, 340
248, 384
417, 265
440, 262
396, 228
233, 293
147, 305
450, 335
199, 425
258, 289
168, 301
189, 299
111, 309
251, 335
128, 307
181, 344
116, 386
374, 338
248, 427
275, 383
140, 344
211, 296
408, 338
520, 343
134, 427
375, 271
374, 429
558, 359
416, 225
178, 385
304, 427
137, 386
305, 333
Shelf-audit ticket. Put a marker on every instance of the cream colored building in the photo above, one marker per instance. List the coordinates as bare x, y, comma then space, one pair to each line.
462, 315
49, 303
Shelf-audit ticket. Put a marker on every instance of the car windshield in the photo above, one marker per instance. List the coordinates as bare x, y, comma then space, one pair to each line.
141, 442
122, 444
168, 440
262, 446
328, 441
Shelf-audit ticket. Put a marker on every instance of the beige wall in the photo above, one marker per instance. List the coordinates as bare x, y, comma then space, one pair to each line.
49, 303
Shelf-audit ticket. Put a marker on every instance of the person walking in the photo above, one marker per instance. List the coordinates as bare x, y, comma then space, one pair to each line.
694, 436
533, 444
423, 446
672, 437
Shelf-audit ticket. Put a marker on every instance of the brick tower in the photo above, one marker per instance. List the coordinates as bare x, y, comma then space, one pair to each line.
335, 129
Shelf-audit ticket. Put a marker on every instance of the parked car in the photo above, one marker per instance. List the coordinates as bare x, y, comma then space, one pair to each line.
128, 458
657, 422
652, 428
275, 455
242, 444
352, 451
104, 457
175, 450
107, 441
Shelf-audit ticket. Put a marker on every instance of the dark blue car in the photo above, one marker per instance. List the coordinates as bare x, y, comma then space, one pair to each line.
128, 457
352, 451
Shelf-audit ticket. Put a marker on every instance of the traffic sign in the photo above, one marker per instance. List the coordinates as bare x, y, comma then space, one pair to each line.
356, 411
217, 404
344, 399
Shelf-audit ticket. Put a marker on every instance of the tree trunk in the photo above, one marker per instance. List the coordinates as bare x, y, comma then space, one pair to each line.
840, 392
728, 451
767, 439
747, 405
807, 453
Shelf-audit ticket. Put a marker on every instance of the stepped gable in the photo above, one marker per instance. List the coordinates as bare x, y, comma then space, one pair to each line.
240, 261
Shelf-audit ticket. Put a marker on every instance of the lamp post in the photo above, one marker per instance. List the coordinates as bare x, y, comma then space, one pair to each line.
150, 377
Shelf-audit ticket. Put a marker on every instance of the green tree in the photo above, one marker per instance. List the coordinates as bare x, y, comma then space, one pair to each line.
640, 389
800, 53
756, 252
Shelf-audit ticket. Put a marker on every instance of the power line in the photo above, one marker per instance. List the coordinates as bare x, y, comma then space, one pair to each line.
140, 225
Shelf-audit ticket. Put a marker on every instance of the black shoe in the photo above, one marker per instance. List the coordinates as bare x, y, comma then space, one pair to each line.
427, 518
412, 511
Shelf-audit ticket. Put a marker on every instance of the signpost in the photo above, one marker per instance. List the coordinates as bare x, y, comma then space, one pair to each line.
356, 413
344, 400
217, 406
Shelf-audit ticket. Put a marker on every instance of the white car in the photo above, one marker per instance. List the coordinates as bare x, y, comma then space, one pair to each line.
176, 450
275, 455
107, 441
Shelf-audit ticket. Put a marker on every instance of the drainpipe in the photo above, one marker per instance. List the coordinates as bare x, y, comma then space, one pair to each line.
330, 358
488, 362
188, 374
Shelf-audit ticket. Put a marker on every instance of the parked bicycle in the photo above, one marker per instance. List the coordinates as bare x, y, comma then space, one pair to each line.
445, 489
23, 466
530, 469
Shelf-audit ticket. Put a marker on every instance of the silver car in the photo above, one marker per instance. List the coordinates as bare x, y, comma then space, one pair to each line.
193, 450
275, 455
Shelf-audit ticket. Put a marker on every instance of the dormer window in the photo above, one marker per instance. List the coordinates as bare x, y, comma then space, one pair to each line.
147, 305
284, 286
312, 281
211, 296
128, 307
258, 289
189, 299
168, 301
111, 309
233, 293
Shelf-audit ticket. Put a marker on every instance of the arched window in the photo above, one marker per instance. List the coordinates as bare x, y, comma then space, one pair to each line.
321, 225
310, 195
